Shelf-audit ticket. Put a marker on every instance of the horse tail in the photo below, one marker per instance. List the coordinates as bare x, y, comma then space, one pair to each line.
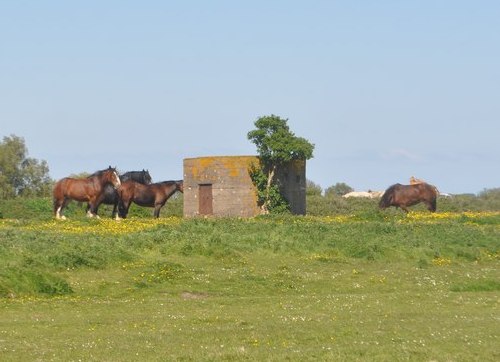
54, 202
57, 195
434, 198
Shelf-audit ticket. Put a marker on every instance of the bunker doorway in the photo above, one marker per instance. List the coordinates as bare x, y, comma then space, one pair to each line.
205, 199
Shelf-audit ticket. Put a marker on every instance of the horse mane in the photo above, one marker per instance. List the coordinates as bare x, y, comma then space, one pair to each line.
100, 172
170, 182
134, 173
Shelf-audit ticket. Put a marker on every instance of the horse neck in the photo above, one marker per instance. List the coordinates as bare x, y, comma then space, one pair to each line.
172, 188
99, 182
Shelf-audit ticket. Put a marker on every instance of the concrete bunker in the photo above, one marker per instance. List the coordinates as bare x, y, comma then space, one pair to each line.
221, 186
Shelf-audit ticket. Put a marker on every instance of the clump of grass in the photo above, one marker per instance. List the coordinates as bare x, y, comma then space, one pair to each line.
486, 285
159, 272
16, 281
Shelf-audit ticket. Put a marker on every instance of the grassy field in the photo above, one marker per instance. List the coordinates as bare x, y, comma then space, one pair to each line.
365, 285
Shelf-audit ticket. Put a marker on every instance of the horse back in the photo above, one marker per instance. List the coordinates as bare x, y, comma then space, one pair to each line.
73, 188
426, 190
143, 195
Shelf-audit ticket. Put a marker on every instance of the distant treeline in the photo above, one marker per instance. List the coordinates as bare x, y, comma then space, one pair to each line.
25, 177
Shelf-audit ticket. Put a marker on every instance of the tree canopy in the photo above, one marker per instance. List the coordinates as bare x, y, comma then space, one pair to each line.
276, 145
21, 175
339, 189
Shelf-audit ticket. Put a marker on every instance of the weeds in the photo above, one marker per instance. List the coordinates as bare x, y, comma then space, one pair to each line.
354, 286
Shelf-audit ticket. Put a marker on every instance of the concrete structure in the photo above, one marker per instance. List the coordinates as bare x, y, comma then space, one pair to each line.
221, 186
292, 179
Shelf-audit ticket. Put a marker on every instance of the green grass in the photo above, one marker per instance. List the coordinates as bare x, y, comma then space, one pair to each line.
375, 286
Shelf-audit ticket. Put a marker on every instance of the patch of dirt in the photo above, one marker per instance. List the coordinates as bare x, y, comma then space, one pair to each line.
190, 295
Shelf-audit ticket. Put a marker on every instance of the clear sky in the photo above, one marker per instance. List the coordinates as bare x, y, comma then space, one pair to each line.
384, 89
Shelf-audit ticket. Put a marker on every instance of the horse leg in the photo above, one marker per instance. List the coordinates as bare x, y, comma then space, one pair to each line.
57, 209
59, 206
92, 211
114, 214
123, 207
157, 209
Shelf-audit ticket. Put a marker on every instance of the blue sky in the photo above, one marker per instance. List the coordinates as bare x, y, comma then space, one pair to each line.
384, 89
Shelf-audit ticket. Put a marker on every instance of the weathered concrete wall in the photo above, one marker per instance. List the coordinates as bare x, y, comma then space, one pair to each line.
233, 193
232, 189
292, 179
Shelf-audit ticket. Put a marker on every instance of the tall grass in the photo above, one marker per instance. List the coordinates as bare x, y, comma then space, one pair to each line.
353, 285
49, 247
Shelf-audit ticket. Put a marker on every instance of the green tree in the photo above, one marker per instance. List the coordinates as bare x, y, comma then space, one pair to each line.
313, 189
339, 189
277, 145
19, 174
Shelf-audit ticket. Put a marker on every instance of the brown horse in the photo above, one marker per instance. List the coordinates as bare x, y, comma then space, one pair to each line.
408, 195
110, 196
153, 195
90, 189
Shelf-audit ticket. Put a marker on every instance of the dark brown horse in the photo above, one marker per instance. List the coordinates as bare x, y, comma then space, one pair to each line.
110, 196
408, 195
153, 195
90, 189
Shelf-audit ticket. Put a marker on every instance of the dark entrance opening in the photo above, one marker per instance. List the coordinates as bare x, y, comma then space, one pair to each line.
205, 199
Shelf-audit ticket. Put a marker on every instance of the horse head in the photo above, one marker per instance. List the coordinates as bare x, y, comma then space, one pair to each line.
179, 185
111, 176
146, 177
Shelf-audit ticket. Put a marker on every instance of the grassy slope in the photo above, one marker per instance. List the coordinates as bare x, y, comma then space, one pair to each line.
377, 286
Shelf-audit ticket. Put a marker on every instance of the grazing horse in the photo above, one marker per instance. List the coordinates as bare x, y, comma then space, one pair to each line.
110, 196
88, 189
154, 195
408, 195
